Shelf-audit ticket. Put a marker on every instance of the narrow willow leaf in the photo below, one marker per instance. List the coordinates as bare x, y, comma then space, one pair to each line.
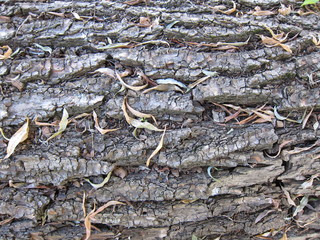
300, 207
4, 136
108, 204
7, 54
305, 120
45, 49
160, 145
18, 137
201, 80
139, 114
146, 125
96, 125
309, 183
138, 88
286, 47
289, 199
115, 45
62, 125
209, 173
106, 71
263, 116
171, 81
170, 25
164, 88
137, 123
43, 123
210, 73
154, 42
100, 185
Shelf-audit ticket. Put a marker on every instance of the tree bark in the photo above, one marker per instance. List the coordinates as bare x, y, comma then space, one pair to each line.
212, 178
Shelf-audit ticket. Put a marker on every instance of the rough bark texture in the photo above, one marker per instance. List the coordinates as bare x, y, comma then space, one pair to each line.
42, 184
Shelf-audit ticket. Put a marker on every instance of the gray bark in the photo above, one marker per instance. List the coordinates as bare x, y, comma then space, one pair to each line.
42, 184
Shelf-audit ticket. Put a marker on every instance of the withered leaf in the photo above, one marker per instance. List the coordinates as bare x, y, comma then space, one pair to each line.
62, 125
7, 54
120, 172
164, 88
18, 137
159, 147
290, 201
139, 114
285, 10
194, 84
134, 88
100, 185
137, 123
106, 71
96, 125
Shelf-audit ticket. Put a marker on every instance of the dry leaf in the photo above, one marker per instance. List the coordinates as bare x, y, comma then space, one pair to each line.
144, 22
96, 125
57, 14
7, 54
280, 148
106, 71
18, 137
309, 183
286, 47
289, 199
160, 145
316, 41
55, 123
229, 11
134, 2
76, 16
305, 120
285, 10
201, 80
6, 221
284, 237
5, 19
100, 185
303, 202
188, 201
62, 125
137, 123
164, 88
120, 172
263, 116
258, 12
139, 114
154, 42
263, 215
138, 88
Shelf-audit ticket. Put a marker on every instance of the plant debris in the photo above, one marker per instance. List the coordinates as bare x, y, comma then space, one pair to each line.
62, 125
19, 136
93, 213
275, 40
100, 185
159, 147
96, 125
7, 54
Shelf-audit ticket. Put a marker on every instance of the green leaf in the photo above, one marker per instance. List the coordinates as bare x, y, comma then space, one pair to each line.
308, 2
194, 237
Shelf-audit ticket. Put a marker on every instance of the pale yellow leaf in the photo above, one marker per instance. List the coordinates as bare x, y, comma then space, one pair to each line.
201, 80
7, 54
108, 204
139, 114
96, 125
164, 88
269, 41
134, 88
43, 123
262, 115
286, 47
160, 145
62, 125
284, 237
290, 201
229, 11
76, 16
18, 137
146, 125
285, 10
106, 71
100, 185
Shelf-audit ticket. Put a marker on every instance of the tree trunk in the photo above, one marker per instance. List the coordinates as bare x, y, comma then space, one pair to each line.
218, 174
